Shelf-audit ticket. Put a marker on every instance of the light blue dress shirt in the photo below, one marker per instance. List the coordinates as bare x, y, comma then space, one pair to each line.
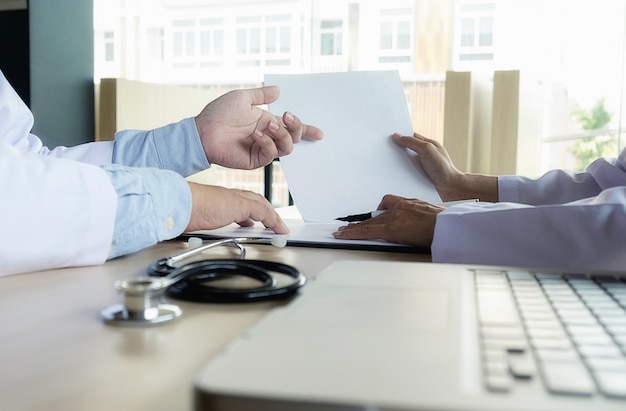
148, 170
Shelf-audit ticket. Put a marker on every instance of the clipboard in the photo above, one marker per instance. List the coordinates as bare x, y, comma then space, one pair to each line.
305, 234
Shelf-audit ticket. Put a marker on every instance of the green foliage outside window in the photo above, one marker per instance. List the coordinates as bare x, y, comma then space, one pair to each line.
587, 149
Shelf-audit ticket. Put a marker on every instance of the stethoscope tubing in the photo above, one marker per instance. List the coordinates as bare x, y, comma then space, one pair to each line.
165, 266
194, 281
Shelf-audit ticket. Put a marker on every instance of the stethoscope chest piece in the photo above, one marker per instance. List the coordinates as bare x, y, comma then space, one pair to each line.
142, 305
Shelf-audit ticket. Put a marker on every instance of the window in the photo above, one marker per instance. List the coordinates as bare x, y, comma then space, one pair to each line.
277, 40
248, 41
395, 35
278, 34
109, 46
331, 38
271, 40
184, 38
211, 37
264, 40
197, 43
476, 32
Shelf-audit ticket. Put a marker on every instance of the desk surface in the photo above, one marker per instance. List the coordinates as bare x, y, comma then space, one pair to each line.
57, 354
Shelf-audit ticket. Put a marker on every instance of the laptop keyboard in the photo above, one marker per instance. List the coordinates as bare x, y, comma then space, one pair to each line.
568, 331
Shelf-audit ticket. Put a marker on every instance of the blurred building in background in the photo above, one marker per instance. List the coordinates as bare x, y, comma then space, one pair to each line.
219, 45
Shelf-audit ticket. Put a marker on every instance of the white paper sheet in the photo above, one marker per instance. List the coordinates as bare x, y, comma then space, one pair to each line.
357, 162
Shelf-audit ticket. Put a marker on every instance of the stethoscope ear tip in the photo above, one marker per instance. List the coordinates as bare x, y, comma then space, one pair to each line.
194, 242
279, 241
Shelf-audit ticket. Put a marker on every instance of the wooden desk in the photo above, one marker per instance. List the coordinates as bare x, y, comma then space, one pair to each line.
57, 354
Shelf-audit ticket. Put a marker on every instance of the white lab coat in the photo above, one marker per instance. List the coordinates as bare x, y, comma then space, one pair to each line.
57, 207
562, 220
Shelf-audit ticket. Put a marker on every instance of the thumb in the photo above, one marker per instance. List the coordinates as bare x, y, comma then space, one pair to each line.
418, 145
263, 95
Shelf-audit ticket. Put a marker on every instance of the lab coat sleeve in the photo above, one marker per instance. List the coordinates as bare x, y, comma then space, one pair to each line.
175, 147
580, 235
16, 122
97, 153
54, 212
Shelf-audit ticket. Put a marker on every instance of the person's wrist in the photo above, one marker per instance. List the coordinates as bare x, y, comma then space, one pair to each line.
479, 186
198, 193
457, 187
201, 132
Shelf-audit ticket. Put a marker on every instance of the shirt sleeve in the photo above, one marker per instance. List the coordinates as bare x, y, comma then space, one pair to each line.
175, 147
156, 206
554, 187
580, 235
562, 186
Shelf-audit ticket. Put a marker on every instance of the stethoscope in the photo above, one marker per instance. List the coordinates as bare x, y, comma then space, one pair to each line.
142, 296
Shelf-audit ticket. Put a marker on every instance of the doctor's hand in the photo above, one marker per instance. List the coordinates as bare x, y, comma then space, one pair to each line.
215, 207
451, 183
405, 221
235, 133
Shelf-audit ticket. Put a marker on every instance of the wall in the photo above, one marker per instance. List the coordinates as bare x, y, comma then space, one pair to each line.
127, 104
46, 53
61, 70
14, 55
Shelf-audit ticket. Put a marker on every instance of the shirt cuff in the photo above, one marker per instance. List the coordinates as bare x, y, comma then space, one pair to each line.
508, 190
152, 205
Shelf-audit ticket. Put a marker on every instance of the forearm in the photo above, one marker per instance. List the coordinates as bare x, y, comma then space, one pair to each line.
482, 187
173, 147
466, 186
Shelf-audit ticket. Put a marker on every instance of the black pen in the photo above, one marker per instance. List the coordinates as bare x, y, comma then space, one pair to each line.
366, 216
360, 217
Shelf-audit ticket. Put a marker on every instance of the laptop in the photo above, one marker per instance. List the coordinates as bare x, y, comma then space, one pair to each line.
396, 336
